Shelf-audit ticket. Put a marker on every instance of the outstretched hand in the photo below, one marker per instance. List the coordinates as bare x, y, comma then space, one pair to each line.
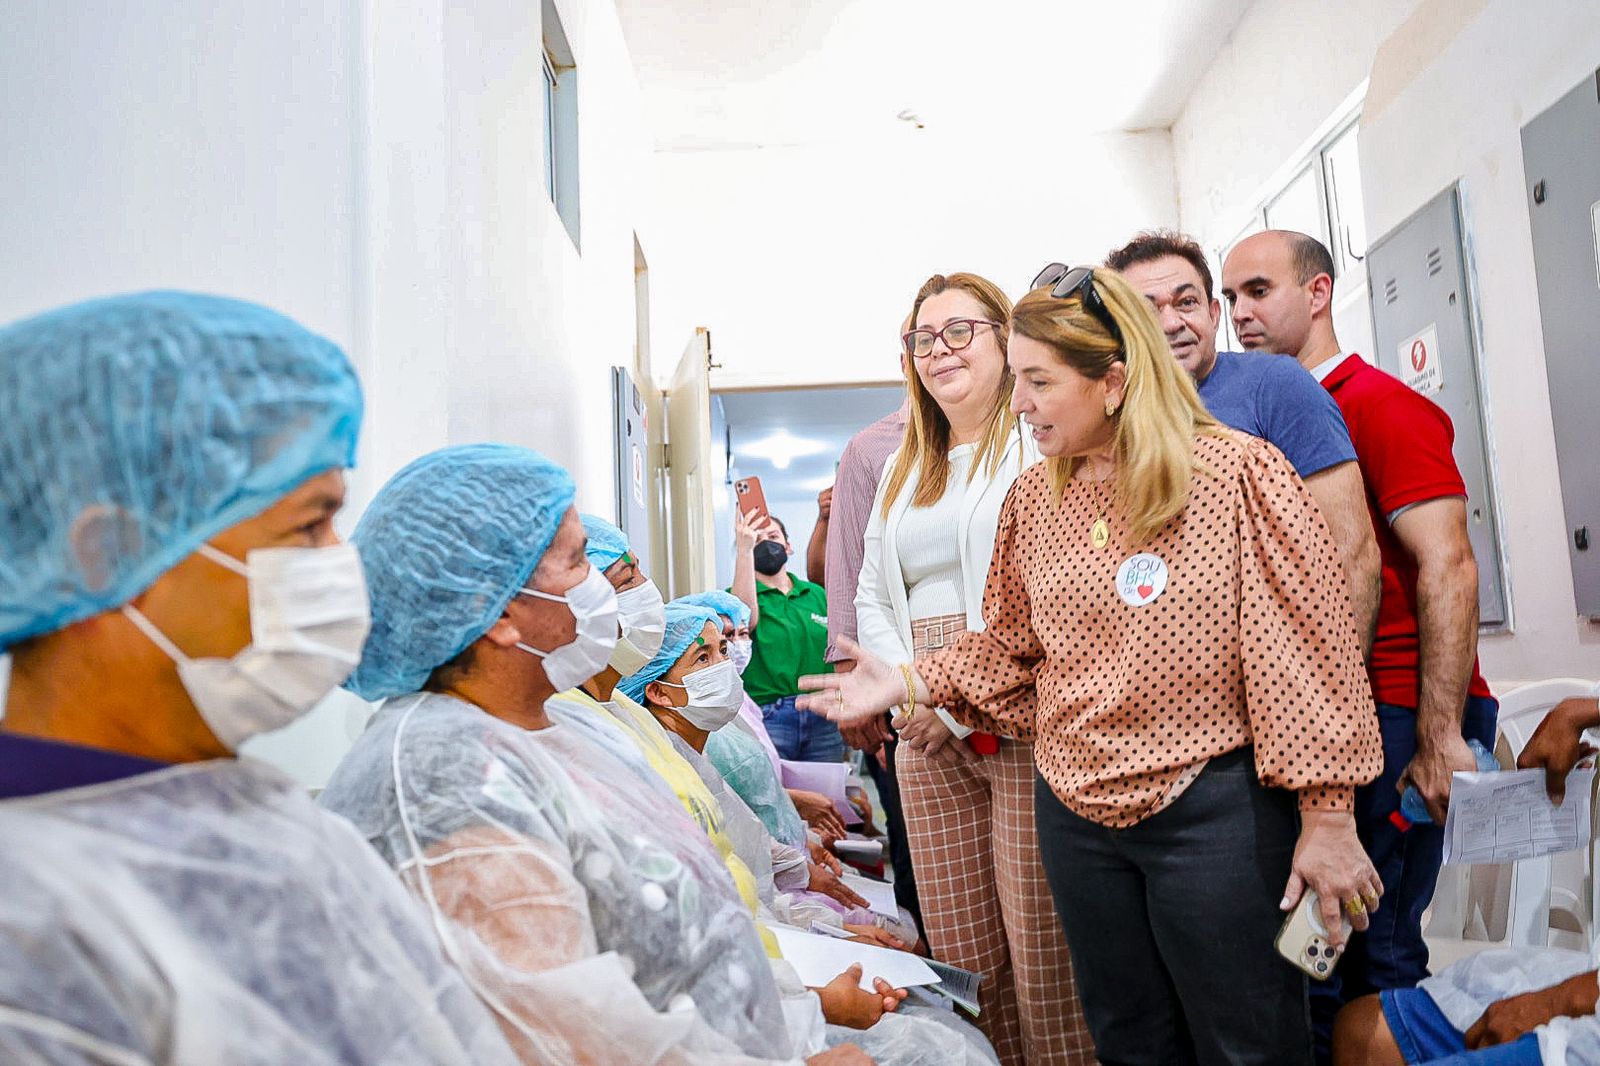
870, 689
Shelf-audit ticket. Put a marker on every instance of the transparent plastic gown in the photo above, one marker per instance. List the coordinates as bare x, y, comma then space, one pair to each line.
591, 914
210, 914
538, 852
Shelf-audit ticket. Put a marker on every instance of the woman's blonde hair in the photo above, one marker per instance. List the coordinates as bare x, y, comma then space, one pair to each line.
926, 445
1161, 412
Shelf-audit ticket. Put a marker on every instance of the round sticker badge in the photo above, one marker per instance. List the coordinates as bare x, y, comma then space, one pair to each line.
1141, 578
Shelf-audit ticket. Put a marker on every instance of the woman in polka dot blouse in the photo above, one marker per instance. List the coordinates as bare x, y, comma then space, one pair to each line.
1167, 620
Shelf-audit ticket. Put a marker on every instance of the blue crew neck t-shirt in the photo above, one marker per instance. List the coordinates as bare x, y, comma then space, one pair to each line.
1275, 398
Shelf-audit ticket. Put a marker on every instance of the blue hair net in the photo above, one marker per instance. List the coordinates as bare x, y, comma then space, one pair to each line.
685, 621
721, 602
607, 543
446, 544
135, 428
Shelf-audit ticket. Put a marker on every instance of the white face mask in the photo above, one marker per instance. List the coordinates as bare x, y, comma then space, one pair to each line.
309, 617
715, 695
593, 604
740, 651
644, 626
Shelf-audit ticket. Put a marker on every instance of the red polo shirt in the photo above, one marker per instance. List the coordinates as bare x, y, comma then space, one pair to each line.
1403, 442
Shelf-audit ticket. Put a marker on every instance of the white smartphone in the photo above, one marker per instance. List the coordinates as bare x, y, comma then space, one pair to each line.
1303, 940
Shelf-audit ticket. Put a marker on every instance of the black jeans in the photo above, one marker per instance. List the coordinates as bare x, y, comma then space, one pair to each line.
1172, 922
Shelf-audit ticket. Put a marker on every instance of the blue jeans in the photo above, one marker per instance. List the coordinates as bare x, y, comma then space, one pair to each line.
801, 736
1391, 953
1426, 1037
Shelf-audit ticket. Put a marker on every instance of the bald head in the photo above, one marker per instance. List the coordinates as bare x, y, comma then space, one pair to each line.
1279, 288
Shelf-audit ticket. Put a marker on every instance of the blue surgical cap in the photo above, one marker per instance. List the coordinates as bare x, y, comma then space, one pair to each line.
685, 622
135, 428
607, 543
446, 544
725, 603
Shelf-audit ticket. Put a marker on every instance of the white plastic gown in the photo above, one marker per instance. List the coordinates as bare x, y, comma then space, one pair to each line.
1464, 991
587, 910
210, 914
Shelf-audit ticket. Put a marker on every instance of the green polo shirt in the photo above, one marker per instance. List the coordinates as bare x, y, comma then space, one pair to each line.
790, 639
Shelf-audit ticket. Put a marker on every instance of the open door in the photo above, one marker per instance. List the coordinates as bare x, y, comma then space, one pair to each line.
693, 537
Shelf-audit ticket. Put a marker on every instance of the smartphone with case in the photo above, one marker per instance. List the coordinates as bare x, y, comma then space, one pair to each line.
751, 498
1303, 940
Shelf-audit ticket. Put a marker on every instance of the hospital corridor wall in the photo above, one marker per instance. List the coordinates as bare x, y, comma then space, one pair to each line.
374, 170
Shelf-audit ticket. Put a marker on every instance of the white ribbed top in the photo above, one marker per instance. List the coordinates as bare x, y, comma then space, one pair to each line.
930, 549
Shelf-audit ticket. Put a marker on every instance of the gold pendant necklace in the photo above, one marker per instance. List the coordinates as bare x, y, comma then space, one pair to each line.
1100, 534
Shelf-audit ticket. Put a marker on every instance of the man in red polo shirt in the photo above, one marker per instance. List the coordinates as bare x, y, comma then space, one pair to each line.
1424, 670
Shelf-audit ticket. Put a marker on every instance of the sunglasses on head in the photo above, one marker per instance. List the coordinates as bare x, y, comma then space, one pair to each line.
1065, 282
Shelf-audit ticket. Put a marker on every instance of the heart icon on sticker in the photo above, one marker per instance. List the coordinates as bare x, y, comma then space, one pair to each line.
1141, 579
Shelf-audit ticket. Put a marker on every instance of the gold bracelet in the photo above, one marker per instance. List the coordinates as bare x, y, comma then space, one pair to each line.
911, 690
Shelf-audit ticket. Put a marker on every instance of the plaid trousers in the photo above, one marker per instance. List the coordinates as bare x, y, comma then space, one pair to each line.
986, 904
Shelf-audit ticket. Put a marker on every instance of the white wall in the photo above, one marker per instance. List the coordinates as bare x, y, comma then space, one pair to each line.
373, 170
1448, 99
1452, 82
1286, 67
803, 260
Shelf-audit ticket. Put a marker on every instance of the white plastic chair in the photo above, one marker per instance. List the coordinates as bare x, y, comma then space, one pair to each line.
1480, 907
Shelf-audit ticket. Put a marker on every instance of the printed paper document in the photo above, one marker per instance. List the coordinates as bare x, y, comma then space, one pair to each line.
1503, 816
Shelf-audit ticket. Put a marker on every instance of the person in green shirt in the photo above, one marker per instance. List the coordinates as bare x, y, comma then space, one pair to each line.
790, 634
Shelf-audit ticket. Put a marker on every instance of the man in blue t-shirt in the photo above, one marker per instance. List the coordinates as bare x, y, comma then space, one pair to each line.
1268, 396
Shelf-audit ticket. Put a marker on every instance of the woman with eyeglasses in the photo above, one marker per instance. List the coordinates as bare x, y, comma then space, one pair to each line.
1167, 620
967, 795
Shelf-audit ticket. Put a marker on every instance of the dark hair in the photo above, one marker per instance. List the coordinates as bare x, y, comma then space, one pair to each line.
1311, 256
1153, 244
448, 673
781, 526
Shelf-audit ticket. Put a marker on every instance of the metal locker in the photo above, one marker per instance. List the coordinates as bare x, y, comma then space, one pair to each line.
1424, 332
1561, 158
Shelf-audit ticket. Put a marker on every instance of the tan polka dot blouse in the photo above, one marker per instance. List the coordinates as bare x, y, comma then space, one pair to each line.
1251, 642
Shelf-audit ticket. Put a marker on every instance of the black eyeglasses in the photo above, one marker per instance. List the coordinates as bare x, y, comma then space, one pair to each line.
956, 336
1067, 282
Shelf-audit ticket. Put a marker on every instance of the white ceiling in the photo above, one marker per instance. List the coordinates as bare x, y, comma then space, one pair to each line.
746, 73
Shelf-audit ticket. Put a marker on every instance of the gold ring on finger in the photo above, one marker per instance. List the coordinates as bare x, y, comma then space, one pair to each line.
1355, 908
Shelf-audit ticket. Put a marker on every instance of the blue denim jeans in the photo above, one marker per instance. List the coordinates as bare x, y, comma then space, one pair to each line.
801, 736
1391, 953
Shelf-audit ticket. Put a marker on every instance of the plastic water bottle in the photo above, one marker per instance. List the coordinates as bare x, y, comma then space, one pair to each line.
1414, 812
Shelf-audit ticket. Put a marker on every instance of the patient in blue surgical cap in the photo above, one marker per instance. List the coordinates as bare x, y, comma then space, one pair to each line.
171, 586
585, 907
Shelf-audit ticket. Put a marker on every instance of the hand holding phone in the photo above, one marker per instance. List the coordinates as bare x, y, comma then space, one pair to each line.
1303, 940
751, 500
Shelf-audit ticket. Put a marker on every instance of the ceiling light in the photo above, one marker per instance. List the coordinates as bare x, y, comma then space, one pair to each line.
781, 448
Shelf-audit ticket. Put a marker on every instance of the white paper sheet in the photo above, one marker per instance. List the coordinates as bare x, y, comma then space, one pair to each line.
878, 894
819, 959
960, 985
827, 778
1502, 816
869, 852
